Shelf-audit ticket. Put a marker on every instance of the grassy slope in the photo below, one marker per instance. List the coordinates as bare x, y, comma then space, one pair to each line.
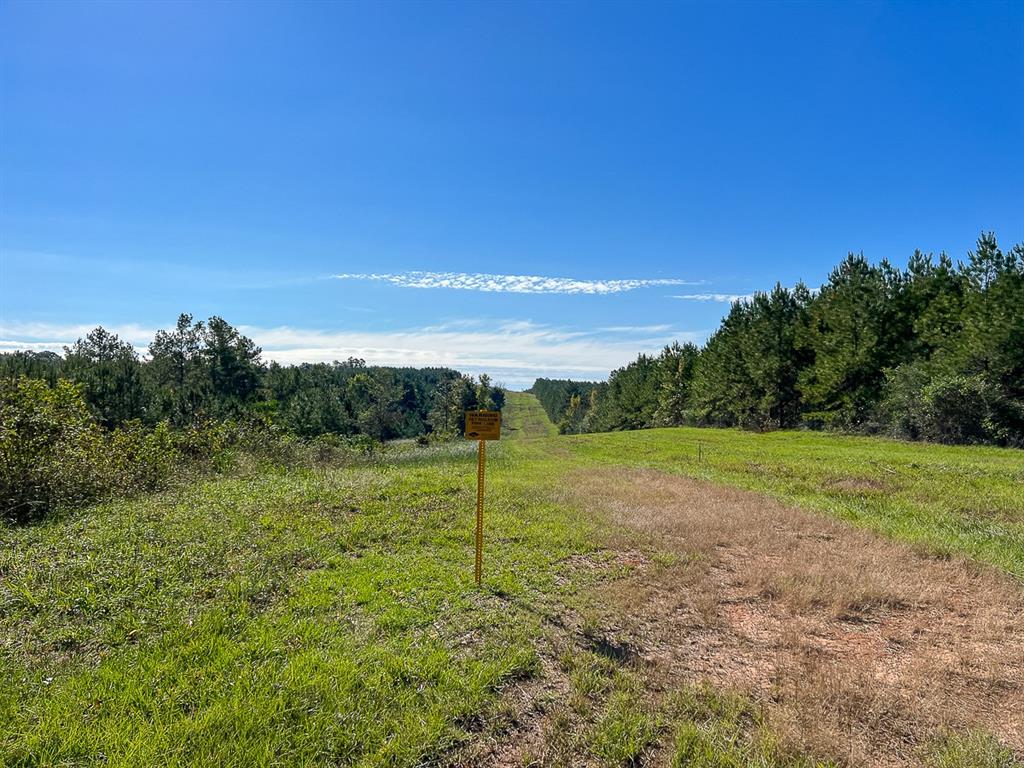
329, 616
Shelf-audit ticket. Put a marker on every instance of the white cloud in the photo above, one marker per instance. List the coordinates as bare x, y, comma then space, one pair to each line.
513, 352
727, 298
468, 281
69, 334
636, 328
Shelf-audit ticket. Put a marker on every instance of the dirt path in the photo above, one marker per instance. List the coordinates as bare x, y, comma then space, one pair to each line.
860, 649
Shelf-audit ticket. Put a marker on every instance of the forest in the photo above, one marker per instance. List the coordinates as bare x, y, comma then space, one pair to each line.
102, 419
932, 352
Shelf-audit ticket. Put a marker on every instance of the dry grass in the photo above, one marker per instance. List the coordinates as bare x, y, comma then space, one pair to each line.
861, 649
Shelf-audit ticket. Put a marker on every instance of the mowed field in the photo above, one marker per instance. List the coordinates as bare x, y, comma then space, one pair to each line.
668, 597
524, 417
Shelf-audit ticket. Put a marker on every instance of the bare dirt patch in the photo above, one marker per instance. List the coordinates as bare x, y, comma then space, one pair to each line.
861, 649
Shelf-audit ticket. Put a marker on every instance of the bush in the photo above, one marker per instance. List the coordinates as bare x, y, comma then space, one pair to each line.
51, 449
140, 459
53, 454
958, 409
948, 408
902, 406
330, 448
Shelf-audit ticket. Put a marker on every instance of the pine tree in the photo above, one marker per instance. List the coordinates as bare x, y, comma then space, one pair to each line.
110, 373
676, 370
854, 332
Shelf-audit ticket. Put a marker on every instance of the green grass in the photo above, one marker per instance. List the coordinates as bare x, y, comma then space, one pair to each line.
290, 618
971, 750
524, 417
329, 616
722, 730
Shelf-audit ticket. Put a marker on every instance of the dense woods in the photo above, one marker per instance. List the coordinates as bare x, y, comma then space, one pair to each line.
202, 371
934, 351
101, 419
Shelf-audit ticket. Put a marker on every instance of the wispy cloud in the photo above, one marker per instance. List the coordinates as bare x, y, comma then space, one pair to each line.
727, 298
514, 352
478, 281
636, 328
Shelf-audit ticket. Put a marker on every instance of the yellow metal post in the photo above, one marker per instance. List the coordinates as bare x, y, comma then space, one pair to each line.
481, 455
481, 426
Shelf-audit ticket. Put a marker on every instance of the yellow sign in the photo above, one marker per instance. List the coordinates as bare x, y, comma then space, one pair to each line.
483, 425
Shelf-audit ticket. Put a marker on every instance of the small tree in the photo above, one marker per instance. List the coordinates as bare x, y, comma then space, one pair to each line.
449, 404
374, 398
484, 398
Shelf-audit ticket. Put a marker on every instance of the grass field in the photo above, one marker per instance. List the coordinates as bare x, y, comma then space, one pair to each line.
525, 417
948, 499
328, 617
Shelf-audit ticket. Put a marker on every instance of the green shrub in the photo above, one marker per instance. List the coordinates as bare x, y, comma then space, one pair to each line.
948, 408
958, 409
140, 459
51, 449
330, 448
53, 454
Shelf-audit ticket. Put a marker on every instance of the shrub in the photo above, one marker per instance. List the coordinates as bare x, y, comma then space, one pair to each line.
53, 454
948, 408
902, 407
958, 409
51, 449
139, 459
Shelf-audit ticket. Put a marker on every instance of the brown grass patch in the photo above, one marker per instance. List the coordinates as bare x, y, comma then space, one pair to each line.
860, 648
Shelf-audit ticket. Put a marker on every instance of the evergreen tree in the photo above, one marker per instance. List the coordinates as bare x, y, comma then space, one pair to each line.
374, 397
722, 390
178, 371
771, 359
110, 373
630, 398
233, 362
933, 298
451, 401
854, 332
676, 371
933, 351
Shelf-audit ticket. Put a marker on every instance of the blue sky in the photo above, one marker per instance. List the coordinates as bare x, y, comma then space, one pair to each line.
234, 159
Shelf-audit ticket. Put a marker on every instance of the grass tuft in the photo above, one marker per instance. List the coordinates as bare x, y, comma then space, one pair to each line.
972, 749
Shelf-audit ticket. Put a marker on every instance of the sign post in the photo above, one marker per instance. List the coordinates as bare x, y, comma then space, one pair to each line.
481, 457
481, 426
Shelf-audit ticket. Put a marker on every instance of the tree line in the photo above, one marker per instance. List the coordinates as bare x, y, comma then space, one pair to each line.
101, 421
934, 351
208, 371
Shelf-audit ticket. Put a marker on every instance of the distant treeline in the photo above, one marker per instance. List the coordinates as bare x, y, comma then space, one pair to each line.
100, 421
208, 371
933, 352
